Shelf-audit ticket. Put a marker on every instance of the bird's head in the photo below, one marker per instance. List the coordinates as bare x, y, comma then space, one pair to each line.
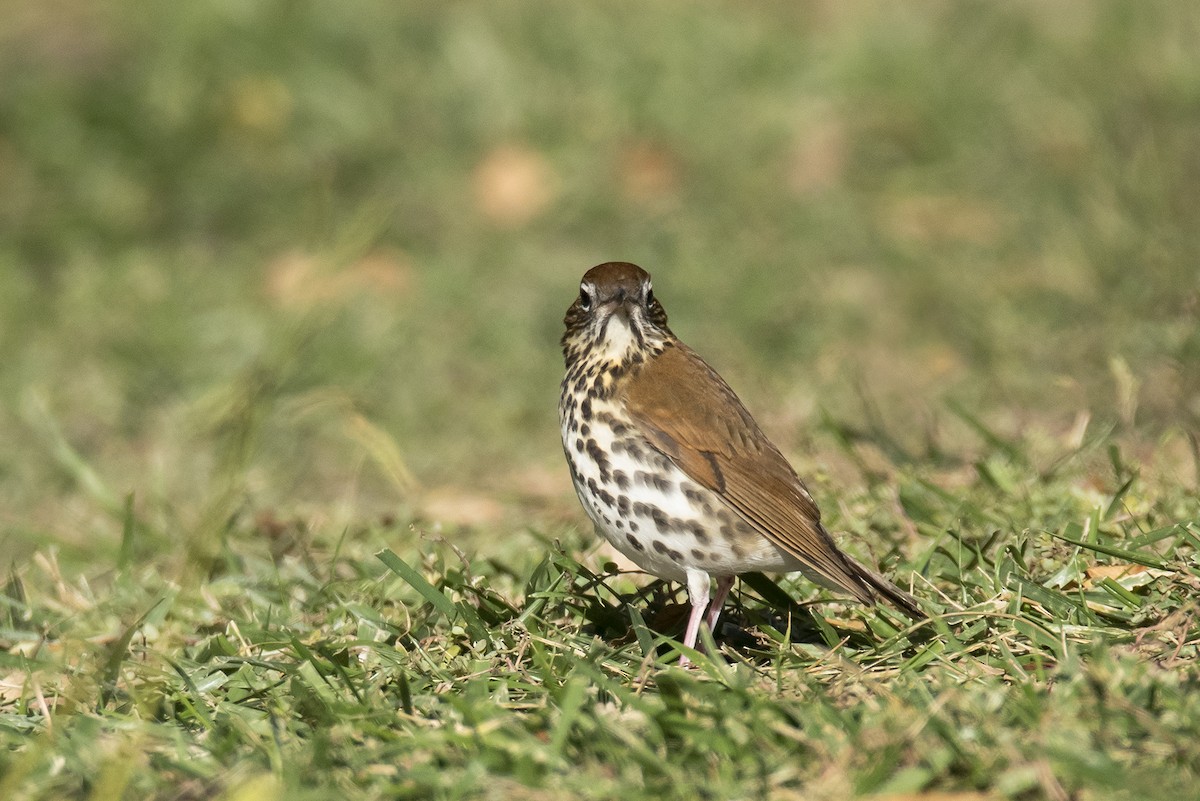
616, 314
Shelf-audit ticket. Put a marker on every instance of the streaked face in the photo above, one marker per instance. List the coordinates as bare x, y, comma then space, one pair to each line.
616, 313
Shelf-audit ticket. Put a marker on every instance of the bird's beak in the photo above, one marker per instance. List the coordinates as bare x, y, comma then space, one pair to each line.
622, 304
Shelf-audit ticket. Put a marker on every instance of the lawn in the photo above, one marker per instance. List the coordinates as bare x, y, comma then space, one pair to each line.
282, 503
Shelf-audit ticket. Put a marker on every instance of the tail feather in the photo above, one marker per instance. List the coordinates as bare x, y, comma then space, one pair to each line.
854, 578
864, 583
889, 592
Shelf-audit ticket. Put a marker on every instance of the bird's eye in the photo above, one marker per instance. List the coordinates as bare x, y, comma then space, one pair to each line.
649, 296
585, 299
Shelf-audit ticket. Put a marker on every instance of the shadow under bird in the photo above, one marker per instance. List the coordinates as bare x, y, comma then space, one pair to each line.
673, 470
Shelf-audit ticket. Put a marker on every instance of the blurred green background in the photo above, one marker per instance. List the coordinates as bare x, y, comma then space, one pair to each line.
311, 259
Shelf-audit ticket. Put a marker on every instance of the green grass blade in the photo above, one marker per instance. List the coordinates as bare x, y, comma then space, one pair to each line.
128, 529
1120, 553
438, 599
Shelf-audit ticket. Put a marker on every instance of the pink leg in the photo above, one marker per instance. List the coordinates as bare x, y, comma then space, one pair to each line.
697, 584
724, 585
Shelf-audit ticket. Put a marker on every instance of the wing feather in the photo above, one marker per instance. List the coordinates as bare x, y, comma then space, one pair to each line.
693, 417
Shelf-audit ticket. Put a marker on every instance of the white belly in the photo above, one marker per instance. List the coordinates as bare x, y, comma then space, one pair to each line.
648, 508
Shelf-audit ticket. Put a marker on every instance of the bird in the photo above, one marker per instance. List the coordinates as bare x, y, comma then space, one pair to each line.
673, 470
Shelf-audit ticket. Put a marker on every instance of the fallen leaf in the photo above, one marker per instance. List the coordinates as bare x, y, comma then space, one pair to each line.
647, 173
461, 507
387, 271
943, 218
1128, 576
937, 797
513, 185
299, 281
818, 158
1114, 571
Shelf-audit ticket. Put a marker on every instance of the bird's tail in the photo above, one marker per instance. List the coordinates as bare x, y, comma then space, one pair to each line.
883, 589
851, 576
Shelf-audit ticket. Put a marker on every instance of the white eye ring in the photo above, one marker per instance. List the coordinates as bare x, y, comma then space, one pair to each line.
585, 298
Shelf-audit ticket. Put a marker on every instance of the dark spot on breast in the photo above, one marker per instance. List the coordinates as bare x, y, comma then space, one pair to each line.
579, 445
635, 543
676, 555
699, 555
652, 480
633, 526
691, 492
660, 546
698, 532
599, 457
586, 430
661, 522
621, 479
605, 498
623, 504
585, 409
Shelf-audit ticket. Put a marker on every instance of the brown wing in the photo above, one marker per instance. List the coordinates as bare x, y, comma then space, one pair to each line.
690, 414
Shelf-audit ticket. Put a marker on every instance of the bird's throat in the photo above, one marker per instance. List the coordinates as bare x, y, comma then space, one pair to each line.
619, 340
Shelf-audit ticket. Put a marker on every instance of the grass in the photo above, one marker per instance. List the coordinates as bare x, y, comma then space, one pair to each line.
1061, 664
281, 500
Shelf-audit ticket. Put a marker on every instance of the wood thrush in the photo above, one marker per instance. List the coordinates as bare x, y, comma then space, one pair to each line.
670, 466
